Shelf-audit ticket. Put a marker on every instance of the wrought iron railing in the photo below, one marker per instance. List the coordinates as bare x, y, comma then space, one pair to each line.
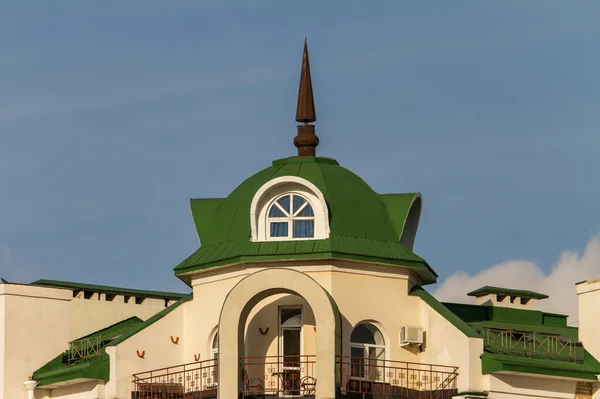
186, 381
531, 344
83, 349
396, 379
278, 375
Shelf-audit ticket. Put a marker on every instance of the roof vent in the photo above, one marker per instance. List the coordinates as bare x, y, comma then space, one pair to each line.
507, 298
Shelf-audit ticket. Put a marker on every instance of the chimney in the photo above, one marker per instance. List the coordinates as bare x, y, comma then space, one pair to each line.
507, 298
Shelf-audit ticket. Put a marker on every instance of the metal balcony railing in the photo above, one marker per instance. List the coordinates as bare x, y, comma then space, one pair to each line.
186, 381
388, 378
278, 376
533, 345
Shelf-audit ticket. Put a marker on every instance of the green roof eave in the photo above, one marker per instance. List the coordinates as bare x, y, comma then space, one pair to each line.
108, 289
443, 311
57, 372
492, 362
114, 330
506, 291
141, 326
243, 250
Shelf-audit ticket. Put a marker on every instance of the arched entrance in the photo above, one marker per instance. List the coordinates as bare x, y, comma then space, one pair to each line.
254, 288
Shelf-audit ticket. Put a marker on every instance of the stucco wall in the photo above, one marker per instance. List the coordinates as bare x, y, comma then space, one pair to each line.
386, 288
30, 313
588, 296
505, 386
88, 316
447, 345
154, 342
84, 390
2, 343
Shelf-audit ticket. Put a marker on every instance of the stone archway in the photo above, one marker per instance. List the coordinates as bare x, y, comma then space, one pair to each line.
251, 290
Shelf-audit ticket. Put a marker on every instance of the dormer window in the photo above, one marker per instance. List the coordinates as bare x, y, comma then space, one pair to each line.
289, 208
291, 216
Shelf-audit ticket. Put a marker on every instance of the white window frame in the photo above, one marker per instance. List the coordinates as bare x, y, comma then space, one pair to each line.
366, 358
289, 219
273, 189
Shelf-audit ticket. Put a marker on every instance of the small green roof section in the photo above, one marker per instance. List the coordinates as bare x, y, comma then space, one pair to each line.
527, 341
488, 289
86, 358
362, 224
141, 326
109, 290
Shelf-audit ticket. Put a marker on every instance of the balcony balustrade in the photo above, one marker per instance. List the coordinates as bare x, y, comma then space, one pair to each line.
294, 376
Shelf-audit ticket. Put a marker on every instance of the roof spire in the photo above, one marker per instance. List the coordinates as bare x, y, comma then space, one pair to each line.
306, 140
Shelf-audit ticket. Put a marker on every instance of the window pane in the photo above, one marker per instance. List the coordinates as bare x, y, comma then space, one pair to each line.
279, 229
304, 228
291, 317
367, 334
285, 203
298, 202
306, 211
357, 362
376, 357
275, 212
215, 344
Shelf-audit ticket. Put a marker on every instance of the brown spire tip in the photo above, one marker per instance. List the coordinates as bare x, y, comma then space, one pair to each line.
305, 111
306, 139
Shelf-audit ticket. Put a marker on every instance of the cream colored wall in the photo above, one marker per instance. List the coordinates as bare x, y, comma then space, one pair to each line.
35, 328
2, 343
88, 315
507, 302
155, 343
202, 314
447, 345
505, 386
588, 296
84, 390
378, 295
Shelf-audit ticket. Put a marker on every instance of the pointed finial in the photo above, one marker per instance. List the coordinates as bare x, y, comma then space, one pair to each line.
306, 140
305, 111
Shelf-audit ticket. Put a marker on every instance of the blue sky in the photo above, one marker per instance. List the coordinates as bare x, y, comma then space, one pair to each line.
113, 114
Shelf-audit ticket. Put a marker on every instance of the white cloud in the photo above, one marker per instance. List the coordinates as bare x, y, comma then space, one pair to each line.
570, 268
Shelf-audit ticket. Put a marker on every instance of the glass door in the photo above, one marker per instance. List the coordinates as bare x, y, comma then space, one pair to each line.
290, 349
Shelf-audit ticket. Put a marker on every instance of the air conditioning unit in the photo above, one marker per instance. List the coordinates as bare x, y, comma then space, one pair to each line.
411, 335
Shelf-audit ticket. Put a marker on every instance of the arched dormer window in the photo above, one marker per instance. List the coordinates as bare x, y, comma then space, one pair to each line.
291, 216
289, 208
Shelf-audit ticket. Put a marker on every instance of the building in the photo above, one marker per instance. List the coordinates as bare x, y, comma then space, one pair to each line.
305, 285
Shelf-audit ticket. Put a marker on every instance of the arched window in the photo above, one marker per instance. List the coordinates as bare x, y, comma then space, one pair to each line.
291, 216
215, 357
215, 347
367, 351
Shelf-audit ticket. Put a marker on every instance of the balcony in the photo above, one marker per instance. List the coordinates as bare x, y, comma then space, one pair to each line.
372, 378
294, 376
533, 345
187, 381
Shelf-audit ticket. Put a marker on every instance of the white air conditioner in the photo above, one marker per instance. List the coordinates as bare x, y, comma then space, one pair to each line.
411, 335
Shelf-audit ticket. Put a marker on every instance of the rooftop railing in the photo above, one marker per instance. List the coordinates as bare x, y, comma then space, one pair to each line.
533, 345
83, 349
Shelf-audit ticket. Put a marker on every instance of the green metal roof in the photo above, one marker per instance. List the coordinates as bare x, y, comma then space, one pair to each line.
62, 369
86, 358
362, 225
527, 341
506, 291
109, 290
